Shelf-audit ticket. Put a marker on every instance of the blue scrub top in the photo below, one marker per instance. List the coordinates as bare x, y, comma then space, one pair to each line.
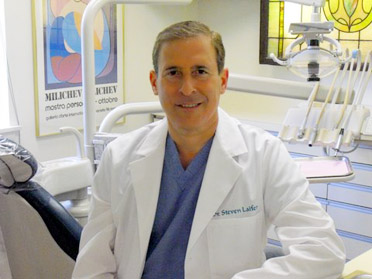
179, 191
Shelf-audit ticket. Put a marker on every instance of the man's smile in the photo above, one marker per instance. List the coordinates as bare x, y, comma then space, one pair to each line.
189, 105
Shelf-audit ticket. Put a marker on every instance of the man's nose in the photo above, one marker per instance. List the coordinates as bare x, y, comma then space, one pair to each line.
187, 87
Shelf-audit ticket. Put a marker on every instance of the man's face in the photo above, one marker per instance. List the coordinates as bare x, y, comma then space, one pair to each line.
188, 84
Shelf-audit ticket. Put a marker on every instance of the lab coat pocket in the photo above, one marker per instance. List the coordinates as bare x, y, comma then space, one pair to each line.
235, 245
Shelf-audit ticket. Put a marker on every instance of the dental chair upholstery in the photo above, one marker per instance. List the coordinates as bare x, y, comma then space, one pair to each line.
40, 236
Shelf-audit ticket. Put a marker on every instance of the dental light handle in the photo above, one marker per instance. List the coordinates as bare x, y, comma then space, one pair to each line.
334, 42
277, 60
288, 52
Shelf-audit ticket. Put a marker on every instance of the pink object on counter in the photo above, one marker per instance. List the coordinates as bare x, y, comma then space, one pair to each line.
322, 168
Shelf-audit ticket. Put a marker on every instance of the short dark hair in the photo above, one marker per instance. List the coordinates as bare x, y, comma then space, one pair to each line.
189, 29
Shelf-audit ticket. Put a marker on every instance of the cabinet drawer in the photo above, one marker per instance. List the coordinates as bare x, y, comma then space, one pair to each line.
350, 218
355, 245
348, 193
319, 190
363, 174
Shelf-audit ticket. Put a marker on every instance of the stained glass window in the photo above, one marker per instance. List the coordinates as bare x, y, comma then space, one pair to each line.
352, 25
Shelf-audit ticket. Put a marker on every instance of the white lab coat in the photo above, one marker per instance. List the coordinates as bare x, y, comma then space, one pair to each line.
250, 182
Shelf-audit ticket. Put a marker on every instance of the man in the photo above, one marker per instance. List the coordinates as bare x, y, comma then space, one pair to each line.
192, 196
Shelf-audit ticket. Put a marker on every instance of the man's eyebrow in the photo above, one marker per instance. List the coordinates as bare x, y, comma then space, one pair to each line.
171, 68
200, 67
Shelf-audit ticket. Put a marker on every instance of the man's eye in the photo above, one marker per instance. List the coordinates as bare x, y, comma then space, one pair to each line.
201, 72
173, 73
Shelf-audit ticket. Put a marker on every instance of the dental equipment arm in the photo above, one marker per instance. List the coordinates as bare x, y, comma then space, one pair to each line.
127, 109
79, 139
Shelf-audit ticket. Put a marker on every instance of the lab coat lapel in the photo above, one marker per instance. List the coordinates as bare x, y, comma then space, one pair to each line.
146, 177
221, 173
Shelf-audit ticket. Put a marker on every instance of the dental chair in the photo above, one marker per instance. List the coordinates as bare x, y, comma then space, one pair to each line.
40, 236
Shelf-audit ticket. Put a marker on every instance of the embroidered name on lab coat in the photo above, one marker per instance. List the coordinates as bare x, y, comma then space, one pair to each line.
243, 211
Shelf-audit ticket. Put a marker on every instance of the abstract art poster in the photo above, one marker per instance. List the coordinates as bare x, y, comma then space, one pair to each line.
58, 65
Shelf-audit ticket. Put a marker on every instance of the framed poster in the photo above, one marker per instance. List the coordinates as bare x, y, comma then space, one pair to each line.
58, 66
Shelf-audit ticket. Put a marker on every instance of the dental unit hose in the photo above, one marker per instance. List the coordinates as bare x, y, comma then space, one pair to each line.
314, 131
350, 85
301, 130
364, 82
355, 55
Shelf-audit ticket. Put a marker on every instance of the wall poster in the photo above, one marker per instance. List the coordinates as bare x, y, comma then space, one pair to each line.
57, 62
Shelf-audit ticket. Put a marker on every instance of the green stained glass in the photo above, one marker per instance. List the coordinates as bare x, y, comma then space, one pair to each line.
350, 6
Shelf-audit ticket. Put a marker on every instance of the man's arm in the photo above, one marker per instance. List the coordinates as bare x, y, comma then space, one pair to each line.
96, 259
312, 247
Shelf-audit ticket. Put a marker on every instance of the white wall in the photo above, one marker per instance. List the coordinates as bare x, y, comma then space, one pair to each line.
237, 21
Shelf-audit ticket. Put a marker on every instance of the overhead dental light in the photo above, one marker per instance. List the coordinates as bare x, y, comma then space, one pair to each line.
313, 62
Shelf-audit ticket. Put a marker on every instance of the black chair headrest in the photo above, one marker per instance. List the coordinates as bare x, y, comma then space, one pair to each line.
17, 165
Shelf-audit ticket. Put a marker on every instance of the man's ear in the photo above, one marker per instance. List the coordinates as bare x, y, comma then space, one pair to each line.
224, 79
153, 79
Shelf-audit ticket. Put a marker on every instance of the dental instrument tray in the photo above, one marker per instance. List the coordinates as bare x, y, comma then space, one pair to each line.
326, 169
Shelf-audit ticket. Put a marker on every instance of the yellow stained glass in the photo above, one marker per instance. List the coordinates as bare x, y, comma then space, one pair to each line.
352, 24
273, 23
349, 15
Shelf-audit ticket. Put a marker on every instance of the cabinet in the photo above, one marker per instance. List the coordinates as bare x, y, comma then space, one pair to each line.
348, 203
